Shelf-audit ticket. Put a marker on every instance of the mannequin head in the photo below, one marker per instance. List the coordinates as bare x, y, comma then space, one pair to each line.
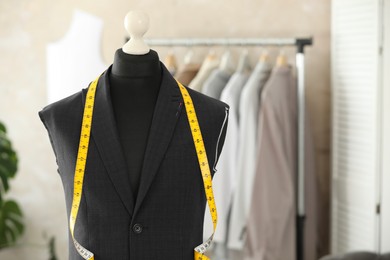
136, 24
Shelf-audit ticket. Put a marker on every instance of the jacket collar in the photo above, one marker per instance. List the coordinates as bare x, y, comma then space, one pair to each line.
105, 135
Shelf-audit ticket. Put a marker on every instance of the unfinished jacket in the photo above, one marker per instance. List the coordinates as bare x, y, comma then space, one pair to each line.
166, 219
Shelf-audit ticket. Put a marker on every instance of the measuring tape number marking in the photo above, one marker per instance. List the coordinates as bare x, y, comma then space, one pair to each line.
82, 158
204, 167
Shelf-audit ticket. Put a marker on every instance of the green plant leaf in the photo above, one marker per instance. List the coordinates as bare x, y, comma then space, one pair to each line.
52, 249
2, 128
11, 224
8, 161
3, 182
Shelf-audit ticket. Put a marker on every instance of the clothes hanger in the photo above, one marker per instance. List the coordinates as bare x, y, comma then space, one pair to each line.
243, 63
171, 62
136, 24
264, 56
189, 56
226, 63
211, 55
209, 63
281, 60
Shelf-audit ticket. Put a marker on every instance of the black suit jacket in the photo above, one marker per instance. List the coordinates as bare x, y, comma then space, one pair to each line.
166, 220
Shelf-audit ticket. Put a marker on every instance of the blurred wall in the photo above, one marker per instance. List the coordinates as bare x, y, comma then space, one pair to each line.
27, 26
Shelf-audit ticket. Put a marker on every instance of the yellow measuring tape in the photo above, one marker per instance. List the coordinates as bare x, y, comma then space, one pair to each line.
204, 167
82, 158
80, 166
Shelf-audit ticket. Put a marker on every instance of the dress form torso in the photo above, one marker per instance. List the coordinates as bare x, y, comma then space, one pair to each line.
77, 53
165, 220
134, 85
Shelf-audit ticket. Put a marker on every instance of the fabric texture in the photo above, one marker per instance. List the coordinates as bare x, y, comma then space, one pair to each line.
248, 114
224, 184
166, 219
271, 225
208, 65
214, 85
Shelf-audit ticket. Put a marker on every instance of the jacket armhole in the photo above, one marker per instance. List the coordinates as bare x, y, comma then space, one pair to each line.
221, 139
41, 116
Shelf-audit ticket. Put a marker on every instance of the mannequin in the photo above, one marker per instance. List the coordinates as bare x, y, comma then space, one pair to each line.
152, 148
77, 53
134, 84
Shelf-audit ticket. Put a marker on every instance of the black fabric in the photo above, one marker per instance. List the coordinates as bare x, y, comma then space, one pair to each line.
134, 82
166, 220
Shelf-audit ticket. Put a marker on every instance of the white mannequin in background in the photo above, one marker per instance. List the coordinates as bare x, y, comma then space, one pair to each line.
76, 58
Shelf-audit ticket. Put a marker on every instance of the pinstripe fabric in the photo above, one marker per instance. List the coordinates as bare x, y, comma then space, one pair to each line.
171, 202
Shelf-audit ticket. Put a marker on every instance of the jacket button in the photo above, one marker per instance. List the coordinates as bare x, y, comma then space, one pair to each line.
137, 228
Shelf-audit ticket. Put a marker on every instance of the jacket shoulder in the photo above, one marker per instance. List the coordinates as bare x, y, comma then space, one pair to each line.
62, 112
61, 109
213, 116
207, 103
58, 118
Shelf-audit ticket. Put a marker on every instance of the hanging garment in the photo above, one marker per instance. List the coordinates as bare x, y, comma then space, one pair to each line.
271, 225
186, 73
209, 64
247, 133
214, 85
224, 184
171, 64
77, 54
166, 219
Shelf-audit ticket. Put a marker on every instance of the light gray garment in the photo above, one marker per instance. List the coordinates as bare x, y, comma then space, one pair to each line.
215, 83
208, 65
247, 129
224, 182
271, 228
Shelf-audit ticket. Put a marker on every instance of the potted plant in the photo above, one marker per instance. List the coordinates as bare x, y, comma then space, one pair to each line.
11, 217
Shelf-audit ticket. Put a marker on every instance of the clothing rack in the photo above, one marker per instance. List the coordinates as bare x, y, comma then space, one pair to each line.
300, 44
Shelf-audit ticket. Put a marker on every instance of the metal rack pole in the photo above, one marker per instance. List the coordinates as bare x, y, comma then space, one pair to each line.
300, 43
300, 183
228, 41
219, 41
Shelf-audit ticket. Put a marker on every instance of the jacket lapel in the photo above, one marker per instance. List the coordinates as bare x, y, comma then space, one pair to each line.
106, 137
165, 115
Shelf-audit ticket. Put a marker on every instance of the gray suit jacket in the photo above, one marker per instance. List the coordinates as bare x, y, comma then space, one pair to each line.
166, 220
271, 224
